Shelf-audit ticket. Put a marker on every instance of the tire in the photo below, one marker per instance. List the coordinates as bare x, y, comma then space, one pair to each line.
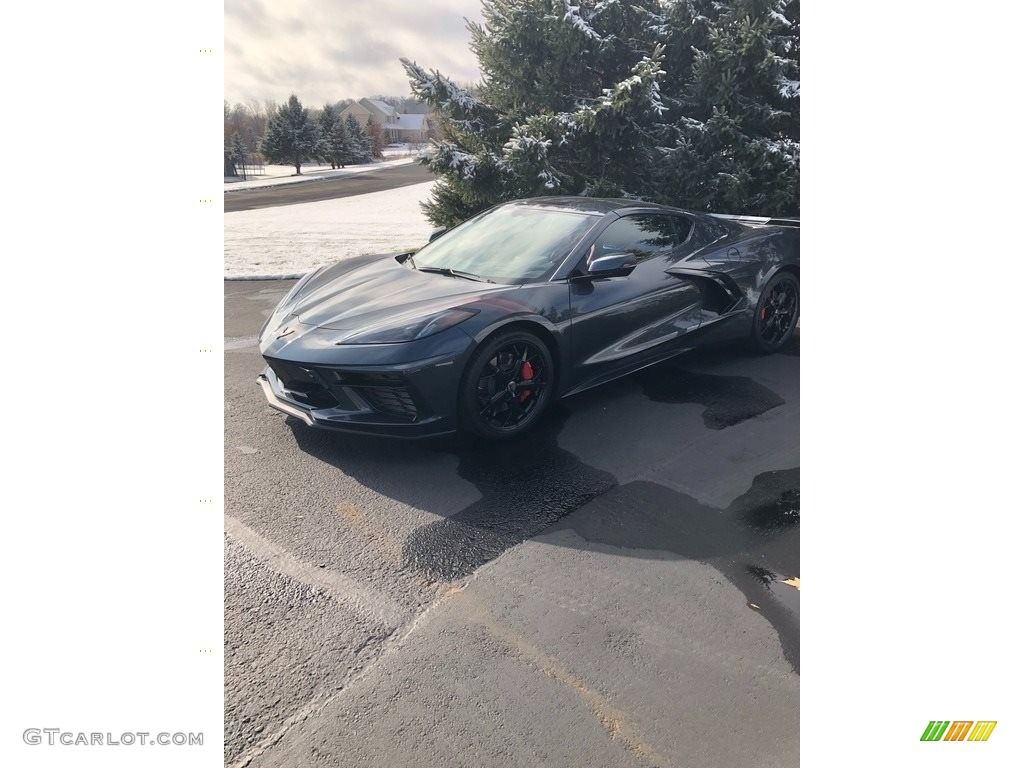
504, 393
776, 314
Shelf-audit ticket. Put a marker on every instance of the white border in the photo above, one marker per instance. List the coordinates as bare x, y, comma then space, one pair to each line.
910, 339
113, 418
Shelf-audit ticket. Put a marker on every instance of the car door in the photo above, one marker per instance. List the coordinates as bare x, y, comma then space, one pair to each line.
622, 322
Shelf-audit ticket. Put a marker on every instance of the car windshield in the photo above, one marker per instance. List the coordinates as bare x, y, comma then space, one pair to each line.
509, 244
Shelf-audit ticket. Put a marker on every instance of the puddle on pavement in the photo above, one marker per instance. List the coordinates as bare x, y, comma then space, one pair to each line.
527, 484
754, 542
775, 584
773, 501
727, 400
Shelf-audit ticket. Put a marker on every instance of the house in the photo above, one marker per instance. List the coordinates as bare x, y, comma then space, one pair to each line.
411, 128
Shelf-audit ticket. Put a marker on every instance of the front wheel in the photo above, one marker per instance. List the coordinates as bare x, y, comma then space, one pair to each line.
507, 385
776, 313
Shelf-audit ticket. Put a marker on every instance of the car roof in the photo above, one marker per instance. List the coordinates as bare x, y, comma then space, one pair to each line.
596, 205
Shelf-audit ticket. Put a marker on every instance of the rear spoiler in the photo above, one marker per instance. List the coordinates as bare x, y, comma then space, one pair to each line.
765, 221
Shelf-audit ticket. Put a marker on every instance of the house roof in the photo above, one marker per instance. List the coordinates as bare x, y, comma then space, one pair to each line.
413, 122
387, 109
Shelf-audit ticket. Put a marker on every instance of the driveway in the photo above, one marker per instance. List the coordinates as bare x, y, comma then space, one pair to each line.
618, 588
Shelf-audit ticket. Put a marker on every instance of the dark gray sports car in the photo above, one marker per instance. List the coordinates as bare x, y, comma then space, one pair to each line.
526, 302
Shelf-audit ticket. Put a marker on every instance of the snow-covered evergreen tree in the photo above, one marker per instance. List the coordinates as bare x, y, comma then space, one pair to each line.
737, 138
292, 135
360, 149
238, 154
687, 102
326, 123
339, 145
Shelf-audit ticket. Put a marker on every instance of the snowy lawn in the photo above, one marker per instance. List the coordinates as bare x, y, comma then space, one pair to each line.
285, 174
403, 150
293, 239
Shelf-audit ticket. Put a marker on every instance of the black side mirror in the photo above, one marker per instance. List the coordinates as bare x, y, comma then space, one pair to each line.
613, 265
436, 233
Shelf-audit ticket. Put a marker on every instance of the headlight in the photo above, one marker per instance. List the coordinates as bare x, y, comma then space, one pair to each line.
394, 332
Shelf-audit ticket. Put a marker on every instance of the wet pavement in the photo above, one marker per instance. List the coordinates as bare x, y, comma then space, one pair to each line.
618, 587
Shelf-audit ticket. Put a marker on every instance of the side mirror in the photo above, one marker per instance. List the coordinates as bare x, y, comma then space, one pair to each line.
613, 265
436, 233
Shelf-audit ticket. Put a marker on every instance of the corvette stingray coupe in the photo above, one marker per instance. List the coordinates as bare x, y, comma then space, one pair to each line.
529, 301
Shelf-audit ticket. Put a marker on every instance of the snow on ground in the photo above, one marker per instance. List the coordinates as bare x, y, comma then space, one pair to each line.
285, 174
403, 150
293, 239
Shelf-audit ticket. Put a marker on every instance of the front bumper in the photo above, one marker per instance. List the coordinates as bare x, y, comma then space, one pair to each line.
410, 400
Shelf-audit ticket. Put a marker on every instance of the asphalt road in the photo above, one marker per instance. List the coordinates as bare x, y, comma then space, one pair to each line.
607, 591
325, 189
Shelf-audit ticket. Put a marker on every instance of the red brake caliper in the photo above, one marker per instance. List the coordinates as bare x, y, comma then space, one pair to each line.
527, 373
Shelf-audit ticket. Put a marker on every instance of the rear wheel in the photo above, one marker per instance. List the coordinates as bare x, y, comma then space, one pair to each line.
507, 385
777, 312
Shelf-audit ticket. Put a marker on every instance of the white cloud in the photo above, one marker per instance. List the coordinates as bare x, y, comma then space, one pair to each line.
325, 50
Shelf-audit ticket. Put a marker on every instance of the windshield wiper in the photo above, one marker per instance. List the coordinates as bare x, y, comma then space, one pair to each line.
454, 273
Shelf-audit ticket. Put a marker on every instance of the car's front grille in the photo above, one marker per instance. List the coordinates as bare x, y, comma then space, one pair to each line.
303, 384
394, 401
292, 375
349, 390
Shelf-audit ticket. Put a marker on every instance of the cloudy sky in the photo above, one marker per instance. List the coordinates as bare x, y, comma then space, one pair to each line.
325, 50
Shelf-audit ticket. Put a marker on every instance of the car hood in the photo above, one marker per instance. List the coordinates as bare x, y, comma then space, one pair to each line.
338, 299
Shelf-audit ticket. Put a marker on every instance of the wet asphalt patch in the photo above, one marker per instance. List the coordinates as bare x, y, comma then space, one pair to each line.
727, 400
754, 542
527, 485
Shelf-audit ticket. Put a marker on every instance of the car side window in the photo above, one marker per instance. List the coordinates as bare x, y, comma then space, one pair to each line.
643, 235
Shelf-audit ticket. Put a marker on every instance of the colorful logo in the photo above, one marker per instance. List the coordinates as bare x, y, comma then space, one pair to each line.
958, 730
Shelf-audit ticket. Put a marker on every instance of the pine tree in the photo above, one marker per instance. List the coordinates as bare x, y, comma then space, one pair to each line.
238, 153
687, 102
340, 145
325, 127
361, 151
291, 136
737, 143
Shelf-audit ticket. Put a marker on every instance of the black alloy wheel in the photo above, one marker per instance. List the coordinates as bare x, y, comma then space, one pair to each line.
777, 312
507, 385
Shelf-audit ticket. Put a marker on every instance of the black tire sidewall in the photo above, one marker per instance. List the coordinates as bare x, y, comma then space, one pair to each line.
755, 337
468, 417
